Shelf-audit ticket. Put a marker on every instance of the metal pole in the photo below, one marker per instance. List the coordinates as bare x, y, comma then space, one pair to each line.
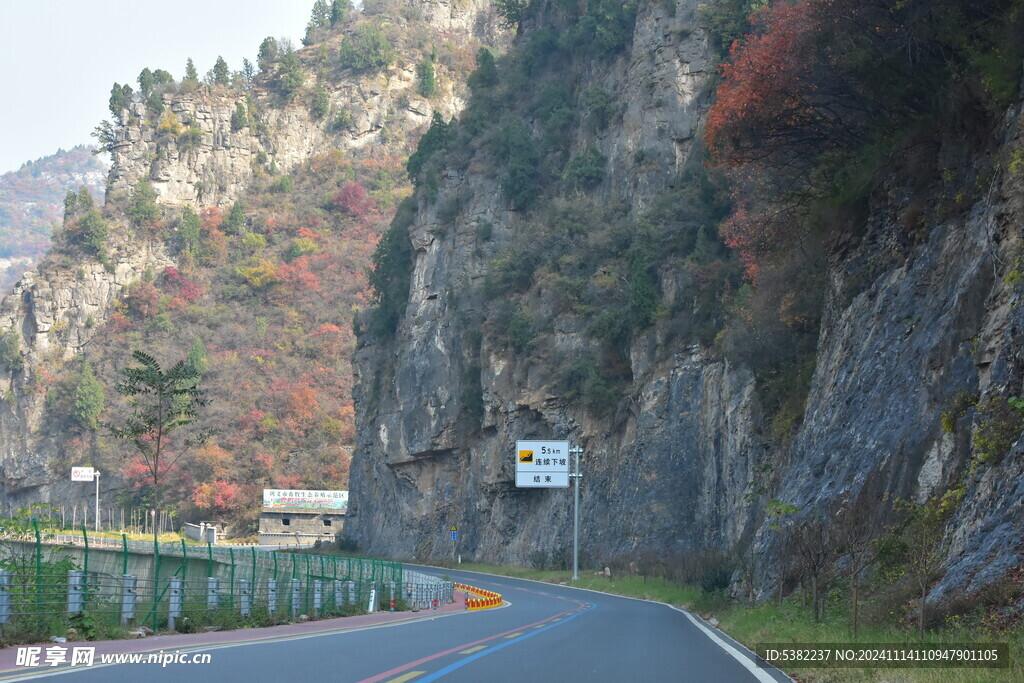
576, 516
96, 476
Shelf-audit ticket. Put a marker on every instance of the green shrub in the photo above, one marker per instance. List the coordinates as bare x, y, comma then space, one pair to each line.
92, 232
240, 117
366, 49
321, 103
391, 271
1000, 422
10, 351
602, 106
587, 168
142, 208
425, 71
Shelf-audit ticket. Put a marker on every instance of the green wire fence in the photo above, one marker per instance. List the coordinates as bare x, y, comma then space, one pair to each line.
141, 582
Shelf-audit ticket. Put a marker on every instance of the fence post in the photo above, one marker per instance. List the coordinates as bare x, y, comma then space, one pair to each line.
245, 597
39, 566
339, 594
351, 592
124, 554
318, 596
5, 598
231, 598
274, 555
75, 586
129, 584
156, 582
174, 606
296, 596
209, 548
271, 595
253, 549
305, 604
212, 584
85, 541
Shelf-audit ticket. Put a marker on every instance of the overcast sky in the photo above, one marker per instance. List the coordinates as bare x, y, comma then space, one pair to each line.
60, 57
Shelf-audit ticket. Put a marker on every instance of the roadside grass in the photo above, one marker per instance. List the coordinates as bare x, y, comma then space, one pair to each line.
790, 621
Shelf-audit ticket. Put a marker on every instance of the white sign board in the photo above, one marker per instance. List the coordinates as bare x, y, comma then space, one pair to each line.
82, 474
542, 464
320, 500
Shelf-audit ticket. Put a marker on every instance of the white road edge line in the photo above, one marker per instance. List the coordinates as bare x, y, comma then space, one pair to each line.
759, 673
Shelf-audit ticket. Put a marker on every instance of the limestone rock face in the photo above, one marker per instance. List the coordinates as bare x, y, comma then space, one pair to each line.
908, 326
192, 155
55, 313
670, 476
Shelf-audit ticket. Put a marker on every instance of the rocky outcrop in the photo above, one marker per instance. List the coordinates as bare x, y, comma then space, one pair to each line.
689, 436
910, 325
54, 314
193, 155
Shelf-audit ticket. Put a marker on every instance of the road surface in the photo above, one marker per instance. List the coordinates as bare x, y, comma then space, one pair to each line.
542, 633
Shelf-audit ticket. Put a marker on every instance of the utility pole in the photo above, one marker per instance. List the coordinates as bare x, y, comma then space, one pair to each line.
576, 475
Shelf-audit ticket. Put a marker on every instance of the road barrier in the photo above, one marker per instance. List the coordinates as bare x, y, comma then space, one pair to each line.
139, 582
486, 600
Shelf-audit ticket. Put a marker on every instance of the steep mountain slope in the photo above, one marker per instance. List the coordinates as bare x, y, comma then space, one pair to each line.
238, 225
563, 278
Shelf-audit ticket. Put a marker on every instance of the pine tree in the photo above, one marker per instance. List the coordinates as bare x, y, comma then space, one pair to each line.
188, 230
197, 360
221, 73
267, 54
191, 75
89, 399
339, 8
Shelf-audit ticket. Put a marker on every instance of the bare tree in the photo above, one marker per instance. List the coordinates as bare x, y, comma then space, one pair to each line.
815, 554
855, 531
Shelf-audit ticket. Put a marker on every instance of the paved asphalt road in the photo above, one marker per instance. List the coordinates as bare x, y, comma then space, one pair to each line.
543, 633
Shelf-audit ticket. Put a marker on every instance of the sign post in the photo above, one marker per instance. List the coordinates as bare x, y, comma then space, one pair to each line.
576, 475
545, 464
454, 535
89, 474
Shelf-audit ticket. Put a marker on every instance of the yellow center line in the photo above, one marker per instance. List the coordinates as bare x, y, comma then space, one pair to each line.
514, 635
473, 649
407, 677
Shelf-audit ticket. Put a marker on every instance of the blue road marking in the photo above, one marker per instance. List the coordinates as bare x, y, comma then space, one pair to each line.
452, 667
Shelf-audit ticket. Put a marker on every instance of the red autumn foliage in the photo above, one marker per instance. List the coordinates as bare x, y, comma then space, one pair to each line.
180, 285
142, 299
218, 496
211, 218
768, 86
352, 200
297, 275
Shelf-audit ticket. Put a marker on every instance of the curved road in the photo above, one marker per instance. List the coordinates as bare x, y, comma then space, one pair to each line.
543, 633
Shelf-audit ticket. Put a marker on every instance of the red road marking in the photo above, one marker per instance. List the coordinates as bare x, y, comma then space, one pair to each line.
410, 665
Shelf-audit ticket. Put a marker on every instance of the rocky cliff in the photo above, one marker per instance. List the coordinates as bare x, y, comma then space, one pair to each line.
58, 310
911, 326
689, 434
